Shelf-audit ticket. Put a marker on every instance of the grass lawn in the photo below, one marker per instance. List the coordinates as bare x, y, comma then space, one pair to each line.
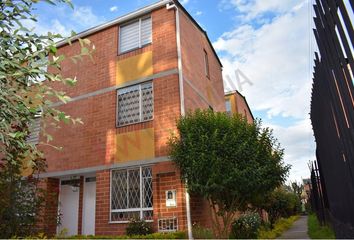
316, 231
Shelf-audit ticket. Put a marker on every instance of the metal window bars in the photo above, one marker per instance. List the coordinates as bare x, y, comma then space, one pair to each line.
131, 194
135, 104
168, 224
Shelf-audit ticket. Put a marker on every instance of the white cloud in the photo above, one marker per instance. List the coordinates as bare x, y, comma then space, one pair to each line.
251, 9
273, 52
298, 142
183, 2
113, 9
275, 58
53, 26
84, 16
81, 18
198, 13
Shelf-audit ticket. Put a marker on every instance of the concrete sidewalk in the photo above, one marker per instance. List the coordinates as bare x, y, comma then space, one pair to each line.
297, 231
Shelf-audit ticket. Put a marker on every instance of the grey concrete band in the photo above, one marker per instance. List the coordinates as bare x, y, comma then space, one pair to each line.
197, 91
82, 171
113, 88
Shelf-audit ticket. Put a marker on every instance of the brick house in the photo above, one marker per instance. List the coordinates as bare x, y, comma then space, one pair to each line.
235, 102
150, 67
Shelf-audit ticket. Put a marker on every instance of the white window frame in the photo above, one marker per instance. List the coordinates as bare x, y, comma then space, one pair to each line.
36, 120
228, 101
140, 44
140, 104
141, 209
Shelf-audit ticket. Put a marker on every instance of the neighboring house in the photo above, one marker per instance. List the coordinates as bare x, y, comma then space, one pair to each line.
150, 67
235, 102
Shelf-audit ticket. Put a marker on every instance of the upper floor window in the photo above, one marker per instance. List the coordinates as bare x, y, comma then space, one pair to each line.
228, 106
135, 104
135, 34
206, 62
34, 130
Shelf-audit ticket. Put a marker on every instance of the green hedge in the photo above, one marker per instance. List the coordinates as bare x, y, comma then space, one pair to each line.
280, 226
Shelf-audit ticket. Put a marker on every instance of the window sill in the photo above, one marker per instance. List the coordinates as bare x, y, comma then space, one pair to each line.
132, 124
133, 49
125, 222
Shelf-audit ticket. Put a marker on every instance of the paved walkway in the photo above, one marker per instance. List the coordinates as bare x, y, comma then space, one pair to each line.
297, 231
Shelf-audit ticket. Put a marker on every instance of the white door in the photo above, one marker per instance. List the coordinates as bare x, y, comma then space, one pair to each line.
89, 207
69, 208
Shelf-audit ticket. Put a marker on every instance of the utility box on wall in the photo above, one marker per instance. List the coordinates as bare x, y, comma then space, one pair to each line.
171, 198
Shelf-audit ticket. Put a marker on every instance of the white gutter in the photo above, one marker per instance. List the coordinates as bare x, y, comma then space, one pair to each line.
124, 18
181, 94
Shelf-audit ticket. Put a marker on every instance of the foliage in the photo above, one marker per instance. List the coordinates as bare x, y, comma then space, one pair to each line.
172, 235
246, 226
316, 231
280, 203
227, 161
138, 227
24, 59
200, 232
280, 226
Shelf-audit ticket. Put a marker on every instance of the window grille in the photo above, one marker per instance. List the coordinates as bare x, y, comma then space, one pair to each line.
34, 130
131, 194
168, 224
135, 104
135, 34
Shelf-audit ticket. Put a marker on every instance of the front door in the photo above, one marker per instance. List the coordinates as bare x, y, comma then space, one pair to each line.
89, 206
69, 207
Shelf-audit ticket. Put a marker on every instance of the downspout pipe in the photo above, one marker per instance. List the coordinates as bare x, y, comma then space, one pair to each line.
181, 94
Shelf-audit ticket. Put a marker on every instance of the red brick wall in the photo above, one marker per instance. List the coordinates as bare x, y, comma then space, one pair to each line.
165, 177
193, 44
242, 107
164, 40
94, 142
48, 218
200, 211
96, 137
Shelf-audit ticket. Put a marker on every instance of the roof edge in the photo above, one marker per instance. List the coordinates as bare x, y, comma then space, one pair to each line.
124, 18
199, 27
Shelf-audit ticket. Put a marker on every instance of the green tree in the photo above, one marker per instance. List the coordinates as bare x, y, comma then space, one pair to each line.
227, 161
24, 59
280, 203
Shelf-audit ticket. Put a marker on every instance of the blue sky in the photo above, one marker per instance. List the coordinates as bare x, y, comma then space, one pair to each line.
268, 41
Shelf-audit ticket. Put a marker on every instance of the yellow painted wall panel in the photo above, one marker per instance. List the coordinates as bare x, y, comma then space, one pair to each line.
137, 145
135, 67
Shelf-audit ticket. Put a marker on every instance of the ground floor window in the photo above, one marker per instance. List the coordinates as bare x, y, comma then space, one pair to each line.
131, 194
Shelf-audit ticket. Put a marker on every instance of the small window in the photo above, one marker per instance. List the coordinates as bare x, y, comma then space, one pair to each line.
135, 104
131, 194
228, 106
206, 62
135, 34
34, 130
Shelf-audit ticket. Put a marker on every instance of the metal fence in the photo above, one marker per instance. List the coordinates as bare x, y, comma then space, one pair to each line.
332, 116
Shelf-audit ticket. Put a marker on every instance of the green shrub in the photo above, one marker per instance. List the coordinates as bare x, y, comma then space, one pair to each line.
246, 226
200, 232
138, 227
265, 232
316, 231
